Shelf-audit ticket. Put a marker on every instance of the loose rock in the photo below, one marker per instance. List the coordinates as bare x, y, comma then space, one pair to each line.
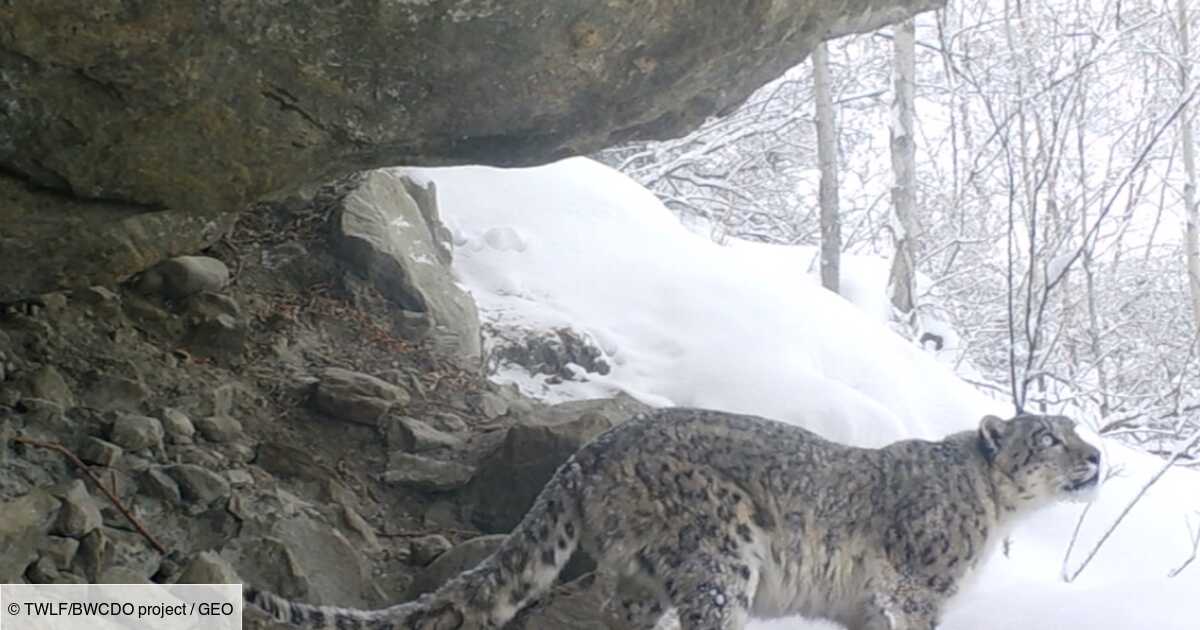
109, 391
198, 485
26, 520
270, 562
208, 305
178, 426
448, 422
42, 572
414, 436
219, 428
334, 566
357, 397
99, 452
93, 551
60, 550
103, 302
157, 484
48, 384
491, 405
316, 563
129, 550
462, 557
45, 414
426, 549
182, 276
239, 477
79, 514
222, 337
424, 473
207, 567
136, 432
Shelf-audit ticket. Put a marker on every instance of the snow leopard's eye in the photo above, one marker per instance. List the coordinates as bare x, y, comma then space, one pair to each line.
1047, 440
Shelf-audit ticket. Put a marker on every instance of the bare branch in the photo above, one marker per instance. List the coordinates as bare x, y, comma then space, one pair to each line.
1180, 451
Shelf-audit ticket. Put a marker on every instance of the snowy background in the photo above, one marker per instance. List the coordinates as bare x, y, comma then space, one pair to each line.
745, 327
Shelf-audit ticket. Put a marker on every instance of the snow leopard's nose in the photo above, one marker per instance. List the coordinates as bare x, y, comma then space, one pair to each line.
1093, 457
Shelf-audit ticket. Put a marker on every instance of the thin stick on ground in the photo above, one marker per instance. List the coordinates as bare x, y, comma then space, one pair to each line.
1066, 566
96, 480
1111, 473
1194, 533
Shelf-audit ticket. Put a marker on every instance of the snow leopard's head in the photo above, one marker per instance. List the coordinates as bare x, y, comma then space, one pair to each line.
1038, 459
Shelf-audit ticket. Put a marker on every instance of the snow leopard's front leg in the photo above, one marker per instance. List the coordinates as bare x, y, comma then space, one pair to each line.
902, 605
709, 592
634, 602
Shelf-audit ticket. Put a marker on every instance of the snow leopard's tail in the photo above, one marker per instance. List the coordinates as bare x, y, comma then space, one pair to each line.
486, 597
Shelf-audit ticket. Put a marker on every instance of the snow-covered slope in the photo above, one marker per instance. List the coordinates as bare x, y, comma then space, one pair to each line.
745, 328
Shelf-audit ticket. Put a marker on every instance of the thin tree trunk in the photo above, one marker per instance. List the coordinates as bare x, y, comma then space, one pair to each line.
900, 283
1089, 274
1191, 241
831, 223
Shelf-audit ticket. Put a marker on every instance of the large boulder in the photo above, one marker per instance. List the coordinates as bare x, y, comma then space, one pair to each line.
394, 239
316, 563
511, 477
128, 134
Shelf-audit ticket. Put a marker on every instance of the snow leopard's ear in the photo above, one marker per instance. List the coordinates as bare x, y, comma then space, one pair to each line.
991, 435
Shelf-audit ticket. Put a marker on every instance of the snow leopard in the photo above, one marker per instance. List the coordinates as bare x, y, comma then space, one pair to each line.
722, 518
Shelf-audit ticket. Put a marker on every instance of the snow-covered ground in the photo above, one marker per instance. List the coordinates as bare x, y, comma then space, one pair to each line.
745, 328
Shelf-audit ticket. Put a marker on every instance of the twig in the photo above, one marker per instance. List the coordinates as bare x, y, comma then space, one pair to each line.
1195, 536
1066, 572
96, 480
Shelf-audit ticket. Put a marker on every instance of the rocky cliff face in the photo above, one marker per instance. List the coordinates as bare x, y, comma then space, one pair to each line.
129, 131
285, 411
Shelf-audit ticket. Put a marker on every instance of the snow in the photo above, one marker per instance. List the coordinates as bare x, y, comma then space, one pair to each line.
746, 328
1058, 266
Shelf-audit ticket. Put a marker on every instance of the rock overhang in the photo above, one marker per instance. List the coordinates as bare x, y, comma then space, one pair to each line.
133, 131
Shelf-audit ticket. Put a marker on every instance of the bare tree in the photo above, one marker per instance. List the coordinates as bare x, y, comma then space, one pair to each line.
1047, 113
831, 235
900, 282
1191, 241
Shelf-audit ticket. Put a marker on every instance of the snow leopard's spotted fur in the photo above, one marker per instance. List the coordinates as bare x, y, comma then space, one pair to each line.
724, 517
